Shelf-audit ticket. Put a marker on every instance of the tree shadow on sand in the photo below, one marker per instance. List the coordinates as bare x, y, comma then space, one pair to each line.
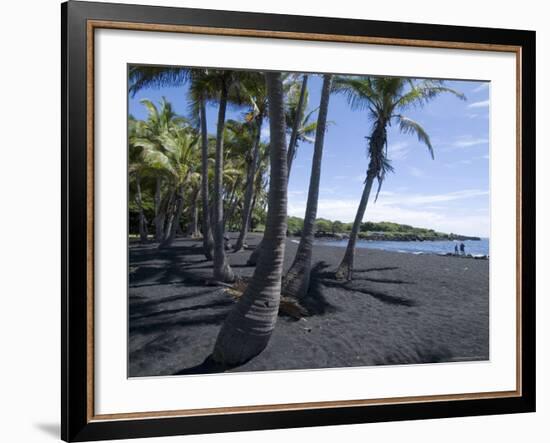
328, 279
150, 265
138, 313
153, 252
169, 273
208, 366
315, 301
209, 266
178, 322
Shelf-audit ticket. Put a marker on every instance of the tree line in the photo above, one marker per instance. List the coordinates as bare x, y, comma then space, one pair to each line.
233, 179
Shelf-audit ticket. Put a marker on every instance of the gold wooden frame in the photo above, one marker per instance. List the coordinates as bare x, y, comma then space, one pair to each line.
98, 24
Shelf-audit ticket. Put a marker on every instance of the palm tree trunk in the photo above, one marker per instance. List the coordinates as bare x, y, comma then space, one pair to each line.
345, 270
252, 206
175, 220
159, 221
196, 232
232, 202
254, 257
296, 124
193, 227
142, 220
377, 143
248, 327
296, 283
168, 216
249, 188
222, 271
207, 240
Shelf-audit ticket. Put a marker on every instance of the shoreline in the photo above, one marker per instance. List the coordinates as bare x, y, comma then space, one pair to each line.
399, 237
326, 241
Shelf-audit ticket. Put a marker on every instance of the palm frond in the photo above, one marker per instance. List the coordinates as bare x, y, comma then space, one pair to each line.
408, 126
386, 167
358, 91
423, 92
141, 77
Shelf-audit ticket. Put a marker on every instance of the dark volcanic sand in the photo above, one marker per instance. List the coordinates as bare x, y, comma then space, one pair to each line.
399, 309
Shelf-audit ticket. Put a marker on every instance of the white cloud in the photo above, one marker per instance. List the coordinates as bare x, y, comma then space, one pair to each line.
467, 141
478, 116
418, 199
398, 150
480, 104
416, 172
482, 87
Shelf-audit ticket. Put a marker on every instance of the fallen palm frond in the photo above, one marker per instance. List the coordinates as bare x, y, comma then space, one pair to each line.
288, 306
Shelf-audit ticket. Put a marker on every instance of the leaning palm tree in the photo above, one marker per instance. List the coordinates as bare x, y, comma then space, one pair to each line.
296, 282
248, 327
384, 99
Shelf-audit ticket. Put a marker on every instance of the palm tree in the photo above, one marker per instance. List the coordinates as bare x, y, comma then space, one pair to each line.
159, 121
141, 77
137, 169
200, 92
239, 138
180, 160
384, 99
296, 282
173, 154
248, 327
296, 118
207, 239
302, 129
222, 270
258, 100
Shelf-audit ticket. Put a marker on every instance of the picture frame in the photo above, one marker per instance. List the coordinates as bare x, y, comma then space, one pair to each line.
80, 20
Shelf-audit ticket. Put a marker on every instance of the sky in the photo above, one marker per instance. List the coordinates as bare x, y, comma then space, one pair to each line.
449, 193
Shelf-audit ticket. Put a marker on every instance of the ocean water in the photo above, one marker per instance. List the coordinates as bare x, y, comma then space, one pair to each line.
474, 247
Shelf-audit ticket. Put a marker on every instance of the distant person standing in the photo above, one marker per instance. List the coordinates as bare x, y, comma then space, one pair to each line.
462, 249
456, 249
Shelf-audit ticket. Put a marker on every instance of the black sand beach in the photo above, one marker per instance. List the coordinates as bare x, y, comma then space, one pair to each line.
399, 309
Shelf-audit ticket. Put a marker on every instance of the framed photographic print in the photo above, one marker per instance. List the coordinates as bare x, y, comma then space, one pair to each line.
277, 221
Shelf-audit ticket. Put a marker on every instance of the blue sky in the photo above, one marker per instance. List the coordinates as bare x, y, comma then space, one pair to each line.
449, 193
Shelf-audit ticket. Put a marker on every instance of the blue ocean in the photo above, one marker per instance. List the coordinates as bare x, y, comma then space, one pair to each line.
473, 247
